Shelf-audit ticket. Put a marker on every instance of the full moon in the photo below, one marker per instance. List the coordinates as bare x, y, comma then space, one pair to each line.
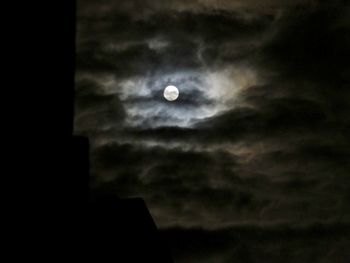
171, 93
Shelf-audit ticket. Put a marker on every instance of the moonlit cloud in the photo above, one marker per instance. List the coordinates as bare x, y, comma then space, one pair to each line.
255, 143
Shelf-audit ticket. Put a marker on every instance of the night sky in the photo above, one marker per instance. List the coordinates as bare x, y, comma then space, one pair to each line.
251, 163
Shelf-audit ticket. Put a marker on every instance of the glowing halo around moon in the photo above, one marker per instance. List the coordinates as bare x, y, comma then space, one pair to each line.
171, 93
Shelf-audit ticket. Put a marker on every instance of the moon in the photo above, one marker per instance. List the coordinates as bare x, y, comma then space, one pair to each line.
171, 93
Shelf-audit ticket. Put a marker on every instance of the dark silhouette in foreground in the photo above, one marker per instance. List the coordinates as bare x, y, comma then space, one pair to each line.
58, 216
121, 230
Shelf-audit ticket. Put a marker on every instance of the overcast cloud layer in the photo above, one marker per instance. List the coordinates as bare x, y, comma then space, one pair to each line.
257, 138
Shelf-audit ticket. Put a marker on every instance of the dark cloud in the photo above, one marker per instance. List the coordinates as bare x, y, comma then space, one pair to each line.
121, 44
316, 242
216, 188
93, 110
311, 44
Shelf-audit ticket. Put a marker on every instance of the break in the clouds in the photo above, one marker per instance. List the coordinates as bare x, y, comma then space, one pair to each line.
258, 135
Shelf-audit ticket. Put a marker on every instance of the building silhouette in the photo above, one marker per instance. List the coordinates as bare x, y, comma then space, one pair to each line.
55, 216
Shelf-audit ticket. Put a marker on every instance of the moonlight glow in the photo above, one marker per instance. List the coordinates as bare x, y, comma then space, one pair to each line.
171, 93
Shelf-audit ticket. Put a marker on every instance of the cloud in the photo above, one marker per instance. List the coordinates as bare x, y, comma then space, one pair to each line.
146, 7
95, 111
216, 188
122, 45
274, 243
258, 136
